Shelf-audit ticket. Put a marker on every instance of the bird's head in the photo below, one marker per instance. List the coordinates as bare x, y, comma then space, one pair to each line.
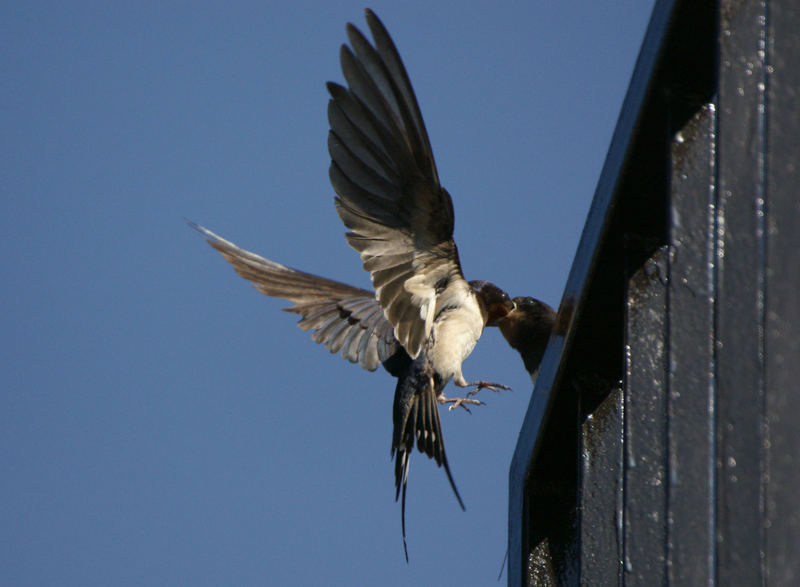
527, 328
528, 318
494, 302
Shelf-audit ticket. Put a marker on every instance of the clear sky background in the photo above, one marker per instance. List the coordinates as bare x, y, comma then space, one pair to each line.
161, 422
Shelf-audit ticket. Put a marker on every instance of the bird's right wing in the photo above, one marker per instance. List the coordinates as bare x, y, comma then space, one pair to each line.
344, 318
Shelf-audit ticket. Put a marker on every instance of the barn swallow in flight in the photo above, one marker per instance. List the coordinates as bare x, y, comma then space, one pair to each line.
401, 223
527, 328
350, 321
423, 318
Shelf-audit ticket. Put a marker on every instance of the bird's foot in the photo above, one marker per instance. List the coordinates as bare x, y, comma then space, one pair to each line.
495, 387
456, 402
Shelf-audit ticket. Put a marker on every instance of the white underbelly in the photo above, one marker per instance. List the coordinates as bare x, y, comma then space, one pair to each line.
454, 337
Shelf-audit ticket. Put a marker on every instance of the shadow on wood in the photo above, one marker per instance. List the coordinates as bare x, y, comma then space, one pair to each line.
661, 442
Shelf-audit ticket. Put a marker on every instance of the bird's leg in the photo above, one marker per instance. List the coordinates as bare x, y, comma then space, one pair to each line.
467, 400
495, 387
458, 402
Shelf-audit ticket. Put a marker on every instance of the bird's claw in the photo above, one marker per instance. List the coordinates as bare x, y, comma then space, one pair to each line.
495, 387
459, 402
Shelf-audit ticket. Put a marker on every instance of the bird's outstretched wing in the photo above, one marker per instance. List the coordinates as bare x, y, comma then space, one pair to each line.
344, 318
388, 192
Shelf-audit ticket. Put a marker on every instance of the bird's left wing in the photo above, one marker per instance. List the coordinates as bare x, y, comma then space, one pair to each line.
388, 192
344, 318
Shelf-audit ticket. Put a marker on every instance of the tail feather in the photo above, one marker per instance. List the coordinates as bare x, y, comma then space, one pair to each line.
416, 420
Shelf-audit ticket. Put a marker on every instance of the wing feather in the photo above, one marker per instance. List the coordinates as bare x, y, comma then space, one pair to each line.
388, 192
346, 319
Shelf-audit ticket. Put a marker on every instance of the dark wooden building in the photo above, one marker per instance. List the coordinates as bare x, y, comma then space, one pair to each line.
662, 441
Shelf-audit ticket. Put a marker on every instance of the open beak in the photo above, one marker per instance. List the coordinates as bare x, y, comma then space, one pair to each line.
499, 311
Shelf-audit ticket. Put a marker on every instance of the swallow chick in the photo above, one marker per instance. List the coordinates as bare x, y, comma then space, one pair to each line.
350, 321
527, 328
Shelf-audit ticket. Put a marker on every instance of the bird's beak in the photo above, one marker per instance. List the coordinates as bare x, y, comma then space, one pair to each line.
499, 311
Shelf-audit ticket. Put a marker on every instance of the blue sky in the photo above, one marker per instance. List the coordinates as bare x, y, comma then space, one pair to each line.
161, 422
